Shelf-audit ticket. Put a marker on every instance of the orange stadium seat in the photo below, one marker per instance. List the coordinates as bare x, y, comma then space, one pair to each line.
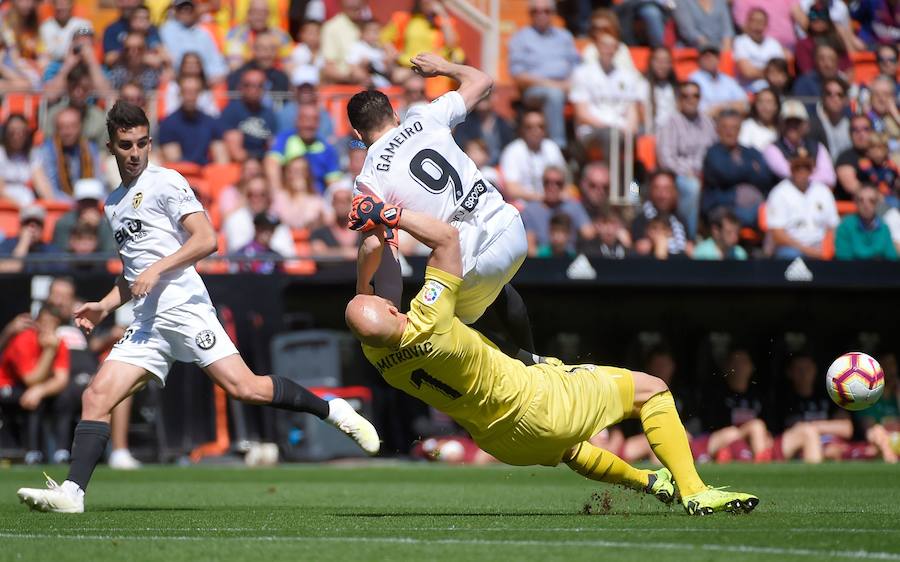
865, 66
220, 176
828, 246
641, 58
55, 209
189, 170
645, 151
23, 103
846, 207
9, 219
761, 218
685, 62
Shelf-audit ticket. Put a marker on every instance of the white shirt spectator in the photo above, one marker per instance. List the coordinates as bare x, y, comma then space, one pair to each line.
15, 173
758, 54
363, 53
238, 229
519, 164
892, 219
622, 59
804, 216
718, 89
609, 96
756, 135
56, 38
660, 100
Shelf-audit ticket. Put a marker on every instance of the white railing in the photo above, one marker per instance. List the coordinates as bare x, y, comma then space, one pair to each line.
483, 15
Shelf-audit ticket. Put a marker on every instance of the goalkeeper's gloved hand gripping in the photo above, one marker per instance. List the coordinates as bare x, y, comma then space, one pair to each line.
368, 212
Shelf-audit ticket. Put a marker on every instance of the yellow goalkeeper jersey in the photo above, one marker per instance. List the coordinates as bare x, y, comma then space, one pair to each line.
452, 367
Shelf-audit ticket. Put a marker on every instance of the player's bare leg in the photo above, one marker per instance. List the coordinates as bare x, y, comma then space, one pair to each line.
236, 378
120, 457
877, 435
802, 438
114, 382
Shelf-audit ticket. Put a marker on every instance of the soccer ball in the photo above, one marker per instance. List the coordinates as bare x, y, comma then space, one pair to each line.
855, 381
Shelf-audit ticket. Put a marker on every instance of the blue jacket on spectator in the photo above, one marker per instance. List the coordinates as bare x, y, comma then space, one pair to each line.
724, 169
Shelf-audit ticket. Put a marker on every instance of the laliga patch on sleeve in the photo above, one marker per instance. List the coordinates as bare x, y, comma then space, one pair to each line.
433, 290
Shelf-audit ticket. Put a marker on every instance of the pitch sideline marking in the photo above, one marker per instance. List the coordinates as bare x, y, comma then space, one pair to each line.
493, 529
734, 549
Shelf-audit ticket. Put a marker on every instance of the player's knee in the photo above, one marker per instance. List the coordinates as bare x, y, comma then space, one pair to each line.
95, 404
756, 427
647, 386
247, 390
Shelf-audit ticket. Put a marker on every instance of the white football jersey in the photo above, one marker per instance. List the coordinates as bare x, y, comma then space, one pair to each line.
146, 221
419, 166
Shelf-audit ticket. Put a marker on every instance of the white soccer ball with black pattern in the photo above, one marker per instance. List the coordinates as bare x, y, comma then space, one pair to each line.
855, 381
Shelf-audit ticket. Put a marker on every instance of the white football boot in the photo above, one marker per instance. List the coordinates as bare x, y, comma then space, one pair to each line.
342, 416
67, 498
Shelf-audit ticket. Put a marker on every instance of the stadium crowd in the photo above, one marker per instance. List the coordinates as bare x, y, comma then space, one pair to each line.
761, 128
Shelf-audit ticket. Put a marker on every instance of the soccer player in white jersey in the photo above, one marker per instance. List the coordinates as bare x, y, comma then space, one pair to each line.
417, 165
162, 231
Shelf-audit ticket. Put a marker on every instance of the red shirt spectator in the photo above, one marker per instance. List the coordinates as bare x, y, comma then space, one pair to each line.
22, 355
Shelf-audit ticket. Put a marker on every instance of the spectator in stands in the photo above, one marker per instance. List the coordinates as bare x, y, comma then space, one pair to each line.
304, 141
523, 160
248, 125
604, 96
188, 134
155, 54
413, 94
800, 212
240, 40
370, 58
612, 240
780, 18
863, 235
877, 22
847, 166
56, 35
306, 92
298, 204
661, 205
755, 48
231, 197
605, 22
191, 66
19, 323
29, 242
807, 12
306, 57
760, 128
537, 215
20, 28
182, 34
131, 66
89, 194
821, 32
734, 411
777, 77
594, 187
680, 147
884, 113
484, 123
886, 56
265, 57
718, 91
82, 81
477, 150
704, 23
723, 242
238, 227
21, 170
825, 65
735, 177
335, 238
655, 15
879, 170
426, 28
338, 34
806, 409
265, 260
658, 89
542, 58
795, 136
830, 124
16, 74
34, 371
114, 35
560, 243
84, 241
68, 156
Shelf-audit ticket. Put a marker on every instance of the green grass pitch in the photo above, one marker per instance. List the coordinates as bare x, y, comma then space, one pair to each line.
412, 512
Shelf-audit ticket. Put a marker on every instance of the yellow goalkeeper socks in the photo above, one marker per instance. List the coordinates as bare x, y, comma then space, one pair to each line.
667, 438
599, 464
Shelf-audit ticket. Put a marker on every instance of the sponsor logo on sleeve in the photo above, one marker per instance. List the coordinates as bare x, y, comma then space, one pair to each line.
205, 339
433, 291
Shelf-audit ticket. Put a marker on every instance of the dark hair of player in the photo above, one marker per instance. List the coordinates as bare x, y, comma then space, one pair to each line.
368, 110
124, 116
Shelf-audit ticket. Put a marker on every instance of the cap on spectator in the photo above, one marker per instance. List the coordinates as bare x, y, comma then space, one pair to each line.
84, 31
32, 213
261, 220
793, 109
305, 74
88, 188
709, 48
802, 159
179, 3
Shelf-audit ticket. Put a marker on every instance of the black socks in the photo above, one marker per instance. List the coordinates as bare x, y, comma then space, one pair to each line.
87, 448
289, 395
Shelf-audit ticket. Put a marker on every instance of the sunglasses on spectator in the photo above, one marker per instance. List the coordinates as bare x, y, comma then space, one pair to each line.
836, 93
542, 10
690, 95
551, 181
533, 126
416, 92
891, 60
872, 200
860, 129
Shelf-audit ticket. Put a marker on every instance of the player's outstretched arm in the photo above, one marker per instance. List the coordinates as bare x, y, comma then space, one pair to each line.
442, 238
201, 242
368, 258
90, 314
474, 85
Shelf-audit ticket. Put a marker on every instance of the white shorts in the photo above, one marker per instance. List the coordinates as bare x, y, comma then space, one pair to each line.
495, 266
189, 332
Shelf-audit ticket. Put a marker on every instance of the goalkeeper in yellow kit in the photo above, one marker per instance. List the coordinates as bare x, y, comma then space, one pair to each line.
541, 414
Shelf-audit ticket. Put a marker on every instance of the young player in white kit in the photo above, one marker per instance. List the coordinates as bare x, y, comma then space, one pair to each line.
417, 165
162, 231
